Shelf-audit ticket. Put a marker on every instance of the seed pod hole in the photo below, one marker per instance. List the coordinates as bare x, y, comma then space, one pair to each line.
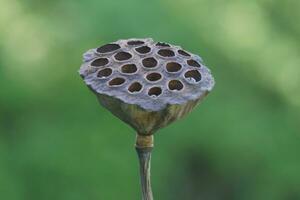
193, 76
149, 62
135, 87
121, 56
162, 44
108, 48
116, 81
129, 68
154, 92
193, 63
184, 53
135, 42
166, 53
175, 85
143, 49
103, 73
153, 76
173, 67
99, 62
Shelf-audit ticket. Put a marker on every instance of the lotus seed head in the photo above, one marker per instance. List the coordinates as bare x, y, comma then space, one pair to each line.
147, 84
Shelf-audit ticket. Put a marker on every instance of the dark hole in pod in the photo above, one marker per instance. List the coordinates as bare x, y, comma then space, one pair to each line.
135, 87
162, 44
143, 49
166, 53
173, 67
99, 62
182, 52
121, 56
108, 48
193, 75
175, 85
135, 42
154, 91
153, 76
193, 63
116, 81
103, 73
149, 62
129, 68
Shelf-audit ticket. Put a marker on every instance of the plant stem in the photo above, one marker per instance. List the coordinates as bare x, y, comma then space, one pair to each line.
144, 146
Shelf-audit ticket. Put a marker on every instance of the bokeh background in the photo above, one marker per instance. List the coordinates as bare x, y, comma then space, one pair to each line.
241, 143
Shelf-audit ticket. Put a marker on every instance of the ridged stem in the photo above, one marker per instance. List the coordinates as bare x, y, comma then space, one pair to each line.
144, 146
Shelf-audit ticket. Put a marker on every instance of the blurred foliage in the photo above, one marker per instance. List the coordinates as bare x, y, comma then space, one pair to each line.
242, 143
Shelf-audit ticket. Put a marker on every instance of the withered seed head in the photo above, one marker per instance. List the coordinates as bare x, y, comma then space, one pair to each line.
146, 84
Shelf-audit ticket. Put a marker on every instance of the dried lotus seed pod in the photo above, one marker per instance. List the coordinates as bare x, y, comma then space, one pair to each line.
146, 84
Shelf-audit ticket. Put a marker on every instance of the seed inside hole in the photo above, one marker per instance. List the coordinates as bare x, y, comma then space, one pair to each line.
143, 49
116, 81
99, 62
166, 53
121, 56
193, 63
154, 91
104, 73
175, 85
108, 48
184, 53
149, 62
173, 67
135, 42
162, 44
153, 76
193, 76
135, 87
129, 68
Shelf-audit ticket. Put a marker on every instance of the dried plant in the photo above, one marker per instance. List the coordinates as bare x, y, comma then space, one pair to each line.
148, 85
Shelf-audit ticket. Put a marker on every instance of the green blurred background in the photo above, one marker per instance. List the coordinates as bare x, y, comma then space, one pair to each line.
241, 143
